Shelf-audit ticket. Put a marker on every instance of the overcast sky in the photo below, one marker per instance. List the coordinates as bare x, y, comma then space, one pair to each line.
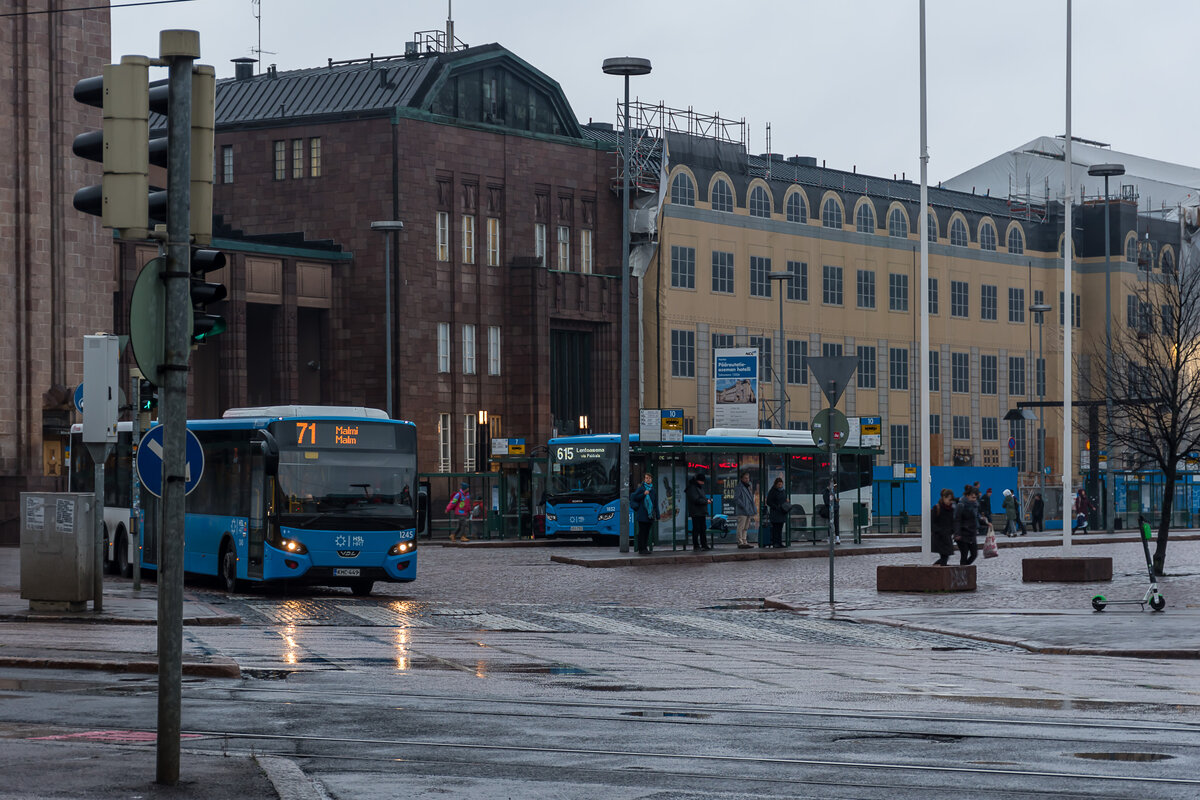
835, 80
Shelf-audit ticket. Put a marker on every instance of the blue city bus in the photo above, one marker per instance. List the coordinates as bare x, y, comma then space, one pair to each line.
300, 494
582, 488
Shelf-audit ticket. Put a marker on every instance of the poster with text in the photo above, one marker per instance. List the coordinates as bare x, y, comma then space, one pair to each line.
735, 388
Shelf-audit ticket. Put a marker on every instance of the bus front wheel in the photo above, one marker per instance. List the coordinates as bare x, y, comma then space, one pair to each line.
229, 568
122, 565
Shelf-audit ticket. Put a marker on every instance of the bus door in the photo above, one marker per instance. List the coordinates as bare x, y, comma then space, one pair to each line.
261, 486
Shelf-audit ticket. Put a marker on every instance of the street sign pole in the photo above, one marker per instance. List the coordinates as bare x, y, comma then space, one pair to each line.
832, 374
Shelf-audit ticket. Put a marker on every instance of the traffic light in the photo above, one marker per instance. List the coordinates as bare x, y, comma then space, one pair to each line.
204, 324
147, 396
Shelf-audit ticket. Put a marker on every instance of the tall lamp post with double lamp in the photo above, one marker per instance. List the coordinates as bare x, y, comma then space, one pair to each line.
389, 227
625, 66
1039, 377
1110, 493
785, 282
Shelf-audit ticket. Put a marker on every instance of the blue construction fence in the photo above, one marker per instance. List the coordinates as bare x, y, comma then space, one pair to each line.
895, 501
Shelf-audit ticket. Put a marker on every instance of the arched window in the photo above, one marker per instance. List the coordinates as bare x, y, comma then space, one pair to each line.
931, 226
897, 224
1131, 249
760, 202
1167, 260
797, 211
987, 237
958, 233
1016, 242
831, 214
683, 191
722, 196
864, 218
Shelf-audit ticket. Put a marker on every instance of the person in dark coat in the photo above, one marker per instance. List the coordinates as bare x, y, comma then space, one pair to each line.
942, 527
698, 502
985, 504
966, 518
1037, 509
644, 512
777, 502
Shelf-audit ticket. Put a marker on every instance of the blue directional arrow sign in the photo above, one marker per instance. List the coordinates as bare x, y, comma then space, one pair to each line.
150, 461
79, 398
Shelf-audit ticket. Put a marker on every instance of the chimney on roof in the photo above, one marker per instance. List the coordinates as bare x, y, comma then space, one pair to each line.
271, 71
243, 68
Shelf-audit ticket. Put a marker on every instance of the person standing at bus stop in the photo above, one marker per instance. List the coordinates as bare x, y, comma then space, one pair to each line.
745, 507
460, 508
777, 502
644, 501
698, 502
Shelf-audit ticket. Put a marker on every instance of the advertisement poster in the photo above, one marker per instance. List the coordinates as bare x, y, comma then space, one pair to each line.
735, 386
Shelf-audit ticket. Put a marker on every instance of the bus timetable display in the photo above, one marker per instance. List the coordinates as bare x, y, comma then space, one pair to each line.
339, 435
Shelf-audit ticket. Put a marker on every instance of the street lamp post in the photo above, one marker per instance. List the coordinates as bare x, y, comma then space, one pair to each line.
1039, 371
1107, 170
388, 226
785, 280
625, 66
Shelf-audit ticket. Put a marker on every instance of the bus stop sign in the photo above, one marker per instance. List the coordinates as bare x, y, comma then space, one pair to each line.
150, 461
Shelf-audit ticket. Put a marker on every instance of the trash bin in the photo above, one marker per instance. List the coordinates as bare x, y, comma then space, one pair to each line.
58, 549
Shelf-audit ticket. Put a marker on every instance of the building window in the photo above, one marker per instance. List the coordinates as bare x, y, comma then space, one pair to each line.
1167, 261
960, 302
1016, 375
899, 443
494, 350
958, 233
468, 349
683, 191
722, 272
898, 369
831, 285
443, 236
1016, 304
564, 248
1076, 313
797, 362
760, 202
297, 158
866, 367
1131, 250
987, 237
829, 349
987, 374
763, 343
864, 218
493, 242
989, 429
227, 163
443, 346
933, 295
683, 354
797, 210
1017, 431
468, 239
1041, 377
722, 196
931, 227
760, 284
1016, 242
831, 214
935, 371
960, 373
721, 341
444, 461
797, 287
314, 157
683, 267
865, 288
935, 424
280, 160
585, 256
539, 241
897, 291
897, 224
470, 429
961, 426
987, 302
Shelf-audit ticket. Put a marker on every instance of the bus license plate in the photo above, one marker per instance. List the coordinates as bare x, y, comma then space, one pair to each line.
576, 527
346, 572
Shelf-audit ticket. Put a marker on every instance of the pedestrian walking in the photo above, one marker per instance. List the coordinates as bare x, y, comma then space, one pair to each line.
1082, 507
745, 507
645, 508
1037, 509
698, 502
985, 504
833, 505
778, 506
967, 521
459, 508
942, 527
1012, 515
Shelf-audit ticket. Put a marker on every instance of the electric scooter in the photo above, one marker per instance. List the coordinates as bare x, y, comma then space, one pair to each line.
1152, 598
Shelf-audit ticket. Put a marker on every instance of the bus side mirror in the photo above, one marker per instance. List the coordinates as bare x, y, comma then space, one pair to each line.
422, 507
270, 450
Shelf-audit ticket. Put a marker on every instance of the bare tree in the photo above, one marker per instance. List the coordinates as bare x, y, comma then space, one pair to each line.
1156, 374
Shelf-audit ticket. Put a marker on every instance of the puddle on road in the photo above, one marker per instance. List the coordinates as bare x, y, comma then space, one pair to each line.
666, 714
1124, 756
920, 737
46, 685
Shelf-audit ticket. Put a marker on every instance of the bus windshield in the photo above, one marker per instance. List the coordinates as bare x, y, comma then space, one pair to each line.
584, 471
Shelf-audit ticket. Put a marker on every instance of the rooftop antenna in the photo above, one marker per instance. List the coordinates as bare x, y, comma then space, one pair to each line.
449, 26
258, 51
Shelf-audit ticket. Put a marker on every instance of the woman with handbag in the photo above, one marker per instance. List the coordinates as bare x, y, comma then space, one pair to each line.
645, 508
778, 505
966, 516
941, 524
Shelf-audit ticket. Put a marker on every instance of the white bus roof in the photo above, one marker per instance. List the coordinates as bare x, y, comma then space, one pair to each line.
306, 411
776, 435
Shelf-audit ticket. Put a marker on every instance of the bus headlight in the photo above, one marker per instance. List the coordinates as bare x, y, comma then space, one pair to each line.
551, 517
293, 546
400, 548
605, 516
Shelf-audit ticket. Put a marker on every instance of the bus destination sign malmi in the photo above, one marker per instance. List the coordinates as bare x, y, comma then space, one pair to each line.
340, 435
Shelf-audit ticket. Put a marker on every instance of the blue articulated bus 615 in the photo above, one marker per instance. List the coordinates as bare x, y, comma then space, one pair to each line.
306, 494
582, 489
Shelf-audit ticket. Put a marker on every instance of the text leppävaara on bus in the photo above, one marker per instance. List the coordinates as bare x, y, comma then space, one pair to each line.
307, 494
582, 496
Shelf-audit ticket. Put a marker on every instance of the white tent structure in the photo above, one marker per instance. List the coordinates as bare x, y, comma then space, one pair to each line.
1031, 177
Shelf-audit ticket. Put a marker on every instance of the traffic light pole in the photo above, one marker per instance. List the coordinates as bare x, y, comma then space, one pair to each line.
179, 48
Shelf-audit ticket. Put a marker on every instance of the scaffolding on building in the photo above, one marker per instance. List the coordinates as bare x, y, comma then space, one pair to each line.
649, 123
